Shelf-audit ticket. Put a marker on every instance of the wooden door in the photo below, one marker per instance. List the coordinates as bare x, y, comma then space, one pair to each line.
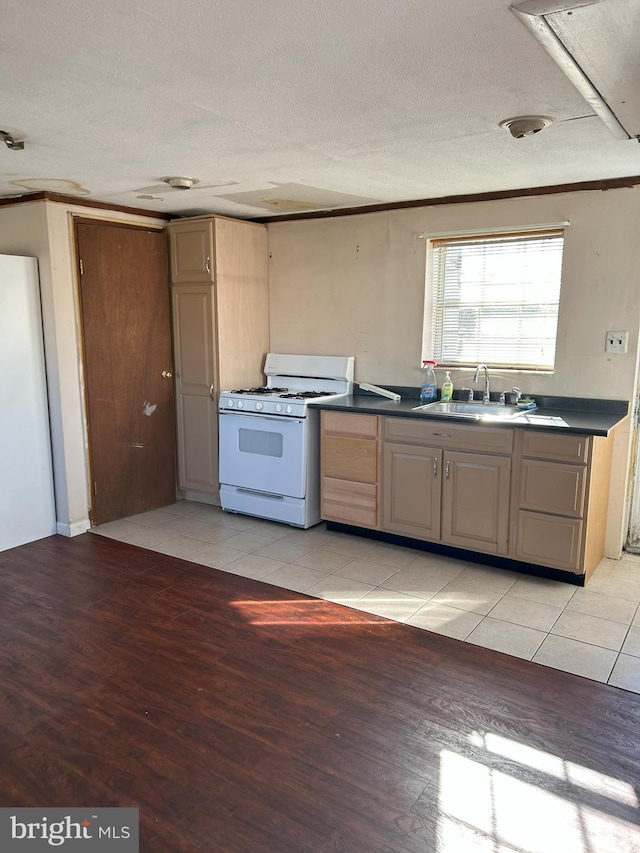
411, 491
475, 501
126, 332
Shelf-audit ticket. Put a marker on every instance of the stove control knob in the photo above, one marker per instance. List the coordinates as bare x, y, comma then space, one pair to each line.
259, 406
278, 407
230, 404
240, 404
289, 409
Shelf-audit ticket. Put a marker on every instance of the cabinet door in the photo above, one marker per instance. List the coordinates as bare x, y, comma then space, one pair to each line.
192, 257
552, 487
549, 540
411, 490
475, 501
242, 302
196, 397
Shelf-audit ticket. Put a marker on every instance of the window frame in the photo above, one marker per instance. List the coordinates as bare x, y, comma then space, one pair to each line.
430, 301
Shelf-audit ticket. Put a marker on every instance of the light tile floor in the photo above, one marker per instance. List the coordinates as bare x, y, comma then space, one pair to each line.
592, 631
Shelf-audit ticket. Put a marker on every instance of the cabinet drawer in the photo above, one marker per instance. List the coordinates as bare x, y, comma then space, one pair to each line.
549, 540
345, 458
363, 426
552, 487
349, 503
444, 434
547, 445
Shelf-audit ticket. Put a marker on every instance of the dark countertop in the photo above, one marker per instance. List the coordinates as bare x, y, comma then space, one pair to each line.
571, 414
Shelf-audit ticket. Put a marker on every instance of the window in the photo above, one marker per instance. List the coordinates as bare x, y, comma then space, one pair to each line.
495, 300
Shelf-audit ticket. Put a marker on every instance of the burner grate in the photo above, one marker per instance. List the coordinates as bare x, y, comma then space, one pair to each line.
262, 390
307, 395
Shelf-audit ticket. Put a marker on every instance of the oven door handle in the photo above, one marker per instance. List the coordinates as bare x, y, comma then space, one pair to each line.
278, 418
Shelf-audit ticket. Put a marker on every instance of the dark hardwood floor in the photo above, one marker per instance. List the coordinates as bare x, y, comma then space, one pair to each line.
241, 717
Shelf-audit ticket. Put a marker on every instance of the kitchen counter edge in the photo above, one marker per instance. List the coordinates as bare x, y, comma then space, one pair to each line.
567, 419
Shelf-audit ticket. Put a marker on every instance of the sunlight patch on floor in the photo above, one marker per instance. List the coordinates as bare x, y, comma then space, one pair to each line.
484, 807
538, 759
293, 612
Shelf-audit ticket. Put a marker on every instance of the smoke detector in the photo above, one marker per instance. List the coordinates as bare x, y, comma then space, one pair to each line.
522, 126
177, 182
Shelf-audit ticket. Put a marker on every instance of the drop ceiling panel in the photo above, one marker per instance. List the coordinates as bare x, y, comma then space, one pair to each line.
604, 39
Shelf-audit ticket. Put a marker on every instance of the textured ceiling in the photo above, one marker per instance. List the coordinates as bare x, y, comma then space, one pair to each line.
287, 105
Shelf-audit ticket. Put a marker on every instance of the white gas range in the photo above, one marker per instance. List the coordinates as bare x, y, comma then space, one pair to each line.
270, 438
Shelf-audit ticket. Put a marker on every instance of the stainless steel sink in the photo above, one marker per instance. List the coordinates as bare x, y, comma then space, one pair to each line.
475, 411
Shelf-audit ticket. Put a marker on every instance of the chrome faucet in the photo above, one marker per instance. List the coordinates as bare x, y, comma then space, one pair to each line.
486, 398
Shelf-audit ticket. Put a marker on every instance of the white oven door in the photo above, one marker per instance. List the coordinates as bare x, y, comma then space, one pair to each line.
264, 453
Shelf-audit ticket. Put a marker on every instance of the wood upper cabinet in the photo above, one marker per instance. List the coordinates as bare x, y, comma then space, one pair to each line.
350, 454
220, 330
191, 244
447, 495
560, 496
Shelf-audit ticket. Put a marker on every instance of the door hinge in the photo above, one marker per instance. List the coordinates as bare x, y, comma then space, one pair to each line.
81, 267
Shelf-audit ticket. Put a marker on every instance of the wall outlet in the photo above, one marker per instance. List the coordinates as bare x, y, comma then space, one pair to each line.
617, 342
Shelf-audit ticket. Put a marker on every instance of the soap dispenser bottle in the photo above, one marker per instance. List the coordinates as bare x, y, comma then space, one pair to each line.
447, 388
429, 389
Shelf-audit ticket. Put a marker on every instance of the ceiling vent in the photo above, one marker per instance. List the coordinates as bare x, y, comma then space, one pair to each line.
180, 183
522, 126
595, 45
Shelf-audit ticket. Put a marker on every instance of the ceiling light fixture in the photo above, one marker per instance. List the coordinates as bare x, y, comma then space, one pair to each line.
10, 142
533, 14
178, 182
522, 126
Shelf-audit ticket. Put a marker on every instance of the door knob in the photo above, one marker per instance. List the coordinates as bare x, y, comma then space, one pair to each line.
166, 374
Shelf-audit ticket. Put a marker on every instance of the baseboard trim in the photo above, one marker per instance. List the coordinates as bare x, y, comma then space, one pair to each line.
201, 497
73, 529
461, 554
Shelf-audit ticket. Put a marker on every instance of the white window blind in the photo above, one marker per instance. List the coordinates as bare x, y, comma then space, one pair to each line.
495, 299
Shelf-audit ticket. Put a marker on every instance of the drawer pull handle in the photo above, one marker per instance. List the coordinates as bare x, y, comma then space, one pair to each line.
444, 434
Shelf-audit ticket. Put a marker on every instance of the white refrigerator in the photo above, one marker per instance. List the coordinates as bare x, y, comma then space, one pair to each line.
27, 509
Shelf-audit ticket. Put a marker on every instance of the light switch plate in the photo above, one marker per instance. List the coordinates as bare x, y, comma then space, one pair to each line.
617, 342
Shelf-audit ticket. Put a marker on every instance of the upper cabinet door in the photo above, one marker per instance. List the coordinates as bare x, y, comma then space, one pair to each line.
192, 251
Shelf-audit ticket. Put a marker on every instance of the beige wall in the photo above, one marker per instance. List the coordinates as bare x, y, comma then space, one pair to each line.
354, 285
45, 230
